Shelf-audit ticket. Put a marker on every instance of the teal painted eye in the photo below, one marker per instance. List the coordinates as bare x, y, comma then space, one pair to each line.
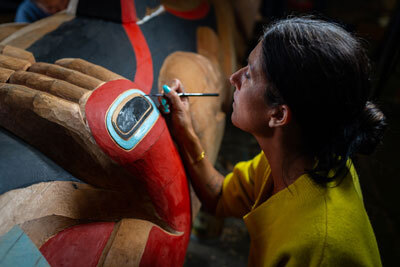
130, 117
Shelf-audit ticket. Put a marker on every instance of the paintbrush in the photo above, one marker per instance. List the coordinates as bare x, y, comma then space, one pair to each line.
167, 90
188, 94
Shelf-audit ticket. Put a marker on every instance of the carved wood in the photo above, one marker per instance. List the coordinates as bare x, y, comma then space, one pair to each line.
45, 105
5, 74
12, 51
88, 68
13, 63
53, 86
26, 36
7, 29
74, 77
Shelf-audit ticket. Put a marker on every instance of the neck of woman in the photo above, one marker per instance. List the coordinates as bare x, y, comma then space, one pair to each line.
286, 160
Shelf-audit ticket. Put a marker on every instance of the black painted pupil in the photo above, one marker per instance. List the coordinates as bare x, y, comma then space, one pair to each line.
131, 113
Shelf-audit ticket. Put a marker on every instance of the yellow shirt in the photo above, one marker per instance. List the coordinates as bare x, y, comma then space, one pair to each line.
302, 225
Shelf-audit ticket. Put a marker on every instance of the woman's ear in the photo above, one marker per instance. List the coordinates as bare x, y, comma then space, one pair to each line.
279, 116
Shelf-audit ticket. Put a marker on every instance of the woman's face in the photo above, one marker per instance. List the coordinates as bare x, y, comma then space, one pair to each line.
249, 107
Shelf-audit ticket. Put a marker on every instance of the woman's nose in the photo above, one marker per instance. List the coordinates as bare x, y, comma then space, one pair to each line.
235, 79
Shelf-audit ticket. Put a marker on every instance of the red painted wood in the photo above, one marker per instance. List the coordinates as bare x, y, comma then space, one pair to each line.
162, 249
156, 161
128, 11
155, 158
144, 62
199, 12
79, 245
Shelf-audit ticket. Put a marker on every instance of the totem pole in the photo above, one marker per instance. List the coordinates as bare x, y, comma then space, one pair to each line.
108, 187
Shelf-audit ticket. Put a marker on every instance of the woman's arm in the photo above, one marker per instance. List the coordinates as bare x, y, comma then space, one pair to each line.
206, 180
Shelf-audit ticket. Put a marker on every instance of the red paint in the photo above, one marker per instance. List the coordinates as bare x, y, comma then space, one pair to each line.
199, 12
144, 62
128, 11
156, 161
80, 245
161, 249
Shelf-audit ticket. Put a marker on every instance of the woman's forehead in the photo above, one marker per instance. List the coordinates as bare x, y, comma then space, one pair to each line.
255, 57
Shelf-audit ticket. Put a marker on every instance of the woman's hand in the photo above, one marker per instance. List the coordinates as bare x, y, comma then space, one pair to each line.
206, 181
178, 117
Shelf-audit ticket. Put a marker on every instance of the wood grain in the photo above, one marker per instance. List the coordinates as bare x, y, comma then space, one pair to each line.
208, 45
7, 29
47, 84
5, 74
202, 76
74, 77
29, 34
128, 244
71, 200
16, 52
88, 68
13, 63
41, 229
56, 127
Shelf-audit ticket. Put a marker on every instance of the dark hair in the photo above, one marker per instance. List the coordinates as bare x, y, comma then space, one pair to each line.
323, 74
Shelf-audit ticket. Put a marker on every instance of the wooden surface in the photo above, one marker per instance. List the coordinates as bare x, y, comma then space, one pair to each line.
208, 119
53, 86
5, 74
88, 68
131, 233
79, 245
27, 35
7, 29
41, 229
12, 51
13, 63
47, 103
74, 77
66, 200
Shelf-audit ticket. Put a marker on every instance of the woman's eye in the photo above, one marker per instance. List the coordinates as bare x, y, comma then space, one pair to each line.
247, 75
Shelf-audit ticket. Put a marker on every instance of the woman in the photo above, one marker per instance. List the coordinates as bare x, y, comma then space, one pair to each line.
304, 97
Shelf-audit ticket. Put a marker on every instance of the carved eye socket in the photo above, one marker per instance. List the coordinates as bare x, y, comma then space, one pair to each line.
130, 114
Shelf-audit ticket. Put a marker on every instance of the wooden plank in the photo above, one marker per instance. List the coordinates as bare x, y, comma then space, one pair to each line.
16, 249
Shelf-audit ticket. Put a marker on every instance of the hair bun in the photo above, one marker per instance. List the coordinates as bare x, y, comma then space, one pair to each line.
372, 127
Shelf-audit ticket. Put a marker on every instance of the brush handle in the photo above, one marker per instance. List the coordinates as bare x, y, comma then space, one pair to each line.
189, 94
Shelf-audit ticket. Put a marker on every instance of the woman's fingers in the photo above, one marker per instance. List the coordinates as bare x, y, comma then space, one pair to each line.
164, 106
178, 103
